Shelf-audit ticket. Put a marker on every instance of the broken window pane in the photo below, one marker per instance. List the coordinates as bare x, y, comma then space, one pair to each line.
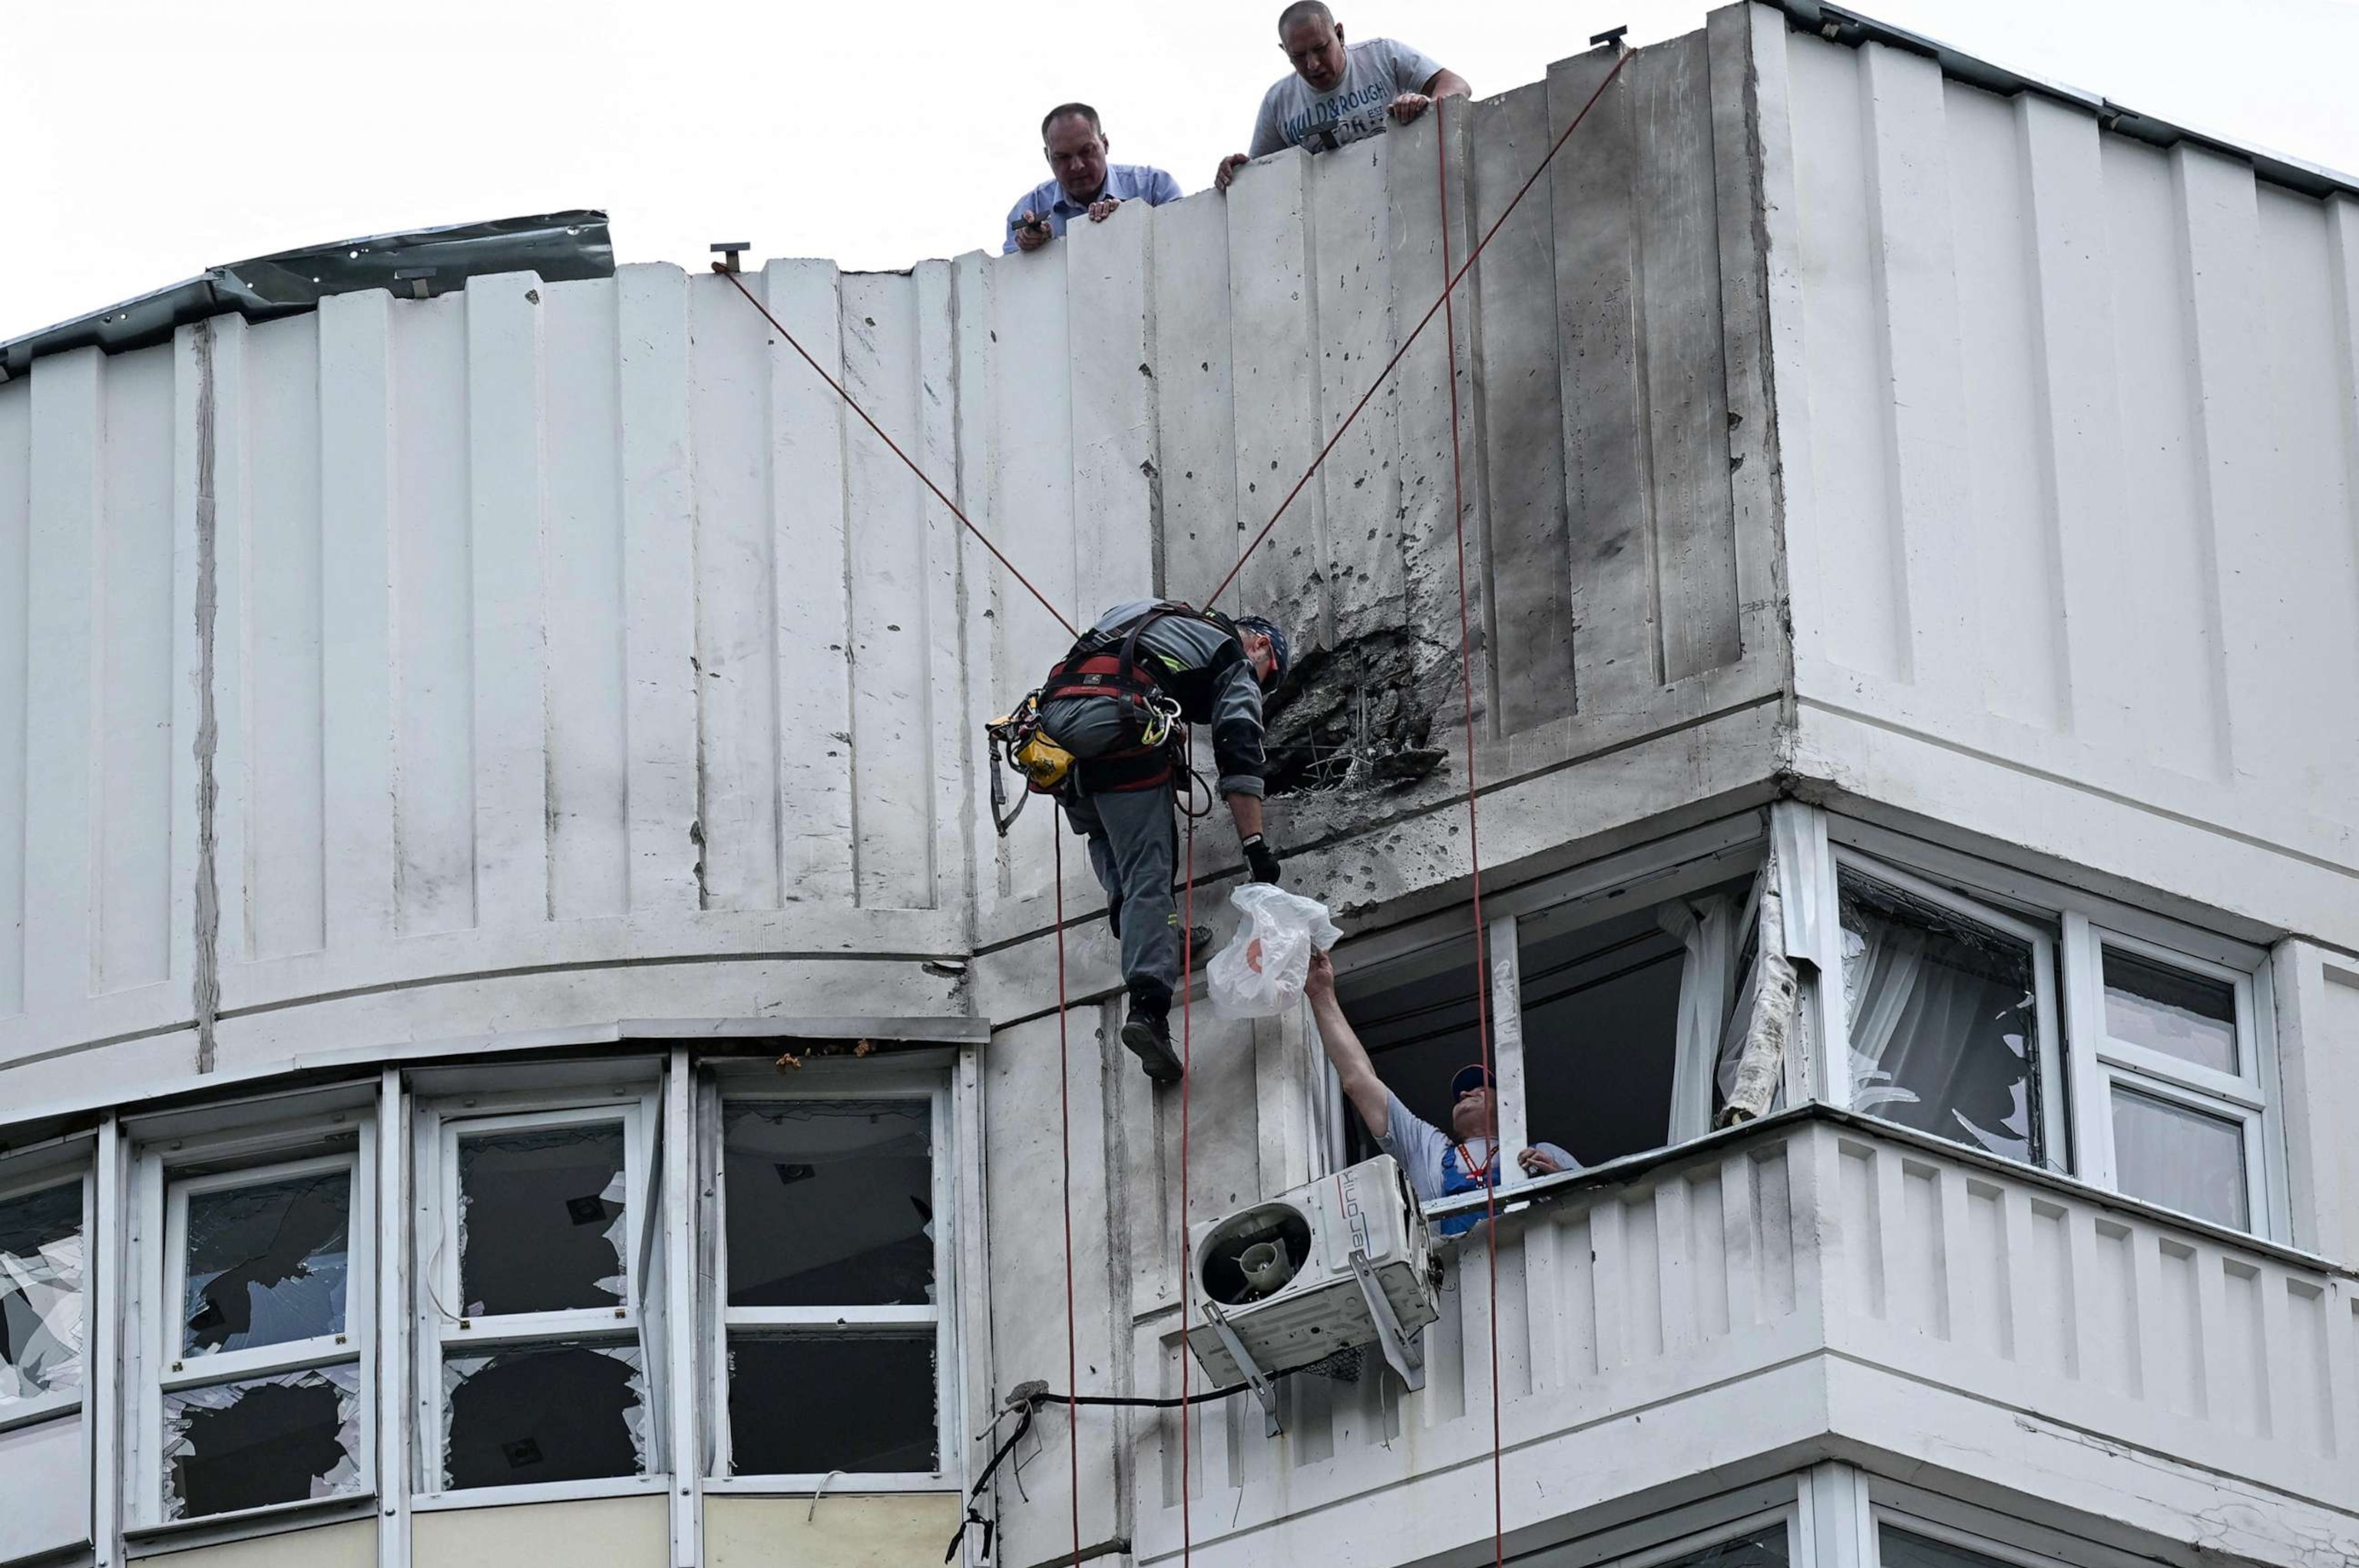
1899, 1548
803, 1404
40, 1293
267, 1263
261, 1441
1763, 1549
557, 1412
2173, 1155
1943, 1020
2192, 1017
542, 1224
830, 1202
1416, 1016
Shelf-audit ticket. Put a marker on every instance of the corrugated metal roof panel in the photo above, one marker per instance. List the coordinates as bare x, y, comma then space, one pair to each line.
560, 247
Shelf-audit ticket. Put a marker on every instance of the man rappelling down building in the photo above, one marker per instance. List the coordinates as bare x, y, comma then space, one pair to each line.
1116, 705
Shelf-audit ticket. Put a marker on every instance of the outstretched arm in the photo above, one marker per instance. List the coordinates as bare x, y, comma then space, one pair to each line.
1361, 1085
1448, 84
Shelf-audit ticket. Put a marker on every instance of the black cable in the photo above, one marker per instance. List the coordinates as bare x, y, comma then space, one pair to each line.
1034, 1400
1146, 1404
1023, 1425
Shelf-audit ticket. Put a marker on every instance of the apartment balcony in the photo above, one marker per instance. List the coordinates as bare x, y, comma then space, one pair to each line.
1816, 1285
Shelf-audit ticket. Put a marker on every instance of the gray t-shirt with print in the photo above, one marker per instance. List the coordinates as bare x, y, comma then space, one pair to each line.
1374, 74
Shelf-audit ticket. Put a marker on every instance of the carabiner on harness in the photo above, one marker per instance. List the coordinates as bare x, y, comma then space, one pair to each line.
1162, 712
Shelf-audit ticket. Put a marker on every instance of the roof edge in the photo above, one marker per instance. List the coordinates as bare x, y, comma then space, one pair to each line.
1839, 24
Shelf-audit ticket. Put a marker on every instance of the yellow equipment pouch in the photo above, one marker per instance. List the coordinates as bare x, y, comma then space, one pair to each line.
1042, 762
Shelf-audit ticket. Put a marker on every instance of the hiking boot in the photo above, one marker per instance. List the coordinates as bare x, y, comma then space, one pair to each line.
1146, 1034
1200, 947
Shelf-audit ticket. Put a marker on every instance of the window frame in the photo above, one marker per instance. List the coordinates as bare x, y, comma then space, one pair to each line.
1650, 874
2053, 1063
2086, 921
39, 1175
161, 1203
720, 1319
441, 1330
2242, 1097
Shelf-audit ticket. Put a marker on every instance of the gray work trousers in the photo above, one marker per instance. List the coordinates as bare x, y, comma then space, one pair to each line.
1134, 842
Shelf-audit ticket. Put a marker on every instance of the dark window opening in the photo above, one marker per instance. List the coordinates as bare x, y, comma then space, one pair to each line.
830, 1202
1416, 1016
1601, 1006
802, 1404
542, 1224
264, 1440
268, 1264
543, 1412
40, 1293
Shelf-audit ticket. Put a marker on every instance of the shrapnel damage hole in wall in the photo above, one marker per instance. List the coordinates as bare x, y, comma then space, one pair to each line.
1352, 717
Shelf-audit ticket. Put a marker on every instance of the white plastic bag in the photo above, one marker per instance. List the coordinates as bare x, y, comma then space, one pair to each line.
1259, 974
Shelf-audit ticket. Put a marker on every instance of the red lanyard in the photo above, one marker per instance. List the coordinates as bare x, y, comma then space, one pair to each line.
1466, 1163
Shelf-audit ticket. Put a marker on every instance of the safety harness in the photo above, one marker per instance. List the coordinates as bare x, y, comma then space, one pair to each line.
1105, 663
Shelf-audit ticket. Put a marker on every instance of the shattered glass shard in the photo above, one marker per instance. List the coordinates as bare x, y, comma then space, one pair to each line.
802, 1404
830, 1202
261, 1441
267, 1263
545, 1224
1762, 1548
40, 1293
550, 1412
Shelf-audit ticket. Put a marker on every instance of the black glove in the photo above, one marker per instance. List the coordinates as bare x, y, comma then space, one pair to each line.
1260, 859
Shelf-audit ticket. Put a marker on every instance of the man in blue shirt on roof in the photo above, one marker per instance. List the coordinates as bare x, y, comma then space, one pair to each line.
1339, 93
1075, 146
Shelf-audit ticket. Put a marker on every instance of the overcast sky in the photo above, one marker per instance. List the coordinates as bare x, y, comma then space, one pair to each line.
141, 142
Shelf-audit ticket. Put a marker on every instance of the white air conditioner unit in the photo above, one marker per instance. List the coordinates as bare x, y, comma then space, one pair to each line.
1343, 1261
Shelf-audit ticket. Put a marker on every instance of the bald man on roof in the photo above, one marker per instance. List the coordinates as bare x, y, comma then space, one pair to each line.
1339, 92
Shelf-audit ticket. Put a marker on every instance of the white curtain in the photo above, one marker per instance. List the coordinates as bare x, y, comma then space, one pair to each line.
1933, 1039
1707, 927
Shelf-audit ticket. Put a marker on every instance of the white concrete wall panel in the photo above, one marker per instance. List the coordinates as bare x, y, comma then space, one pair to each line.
349, 1545
603, 1532
44, 1488
589, 751
845, 1531
2071, 452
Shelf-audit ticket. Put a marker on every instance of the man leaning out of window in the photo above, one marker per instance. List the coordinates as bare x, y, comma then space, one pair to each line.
1339, 92
1438, 1164
1075, 146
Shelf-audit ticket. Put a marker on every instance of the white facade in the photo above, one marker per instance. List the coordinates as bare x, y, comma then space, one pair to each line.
431, 723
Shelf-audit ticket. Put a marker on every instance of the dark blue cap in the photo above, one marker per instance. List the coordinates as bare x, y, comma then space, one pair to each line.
1281, 654
1469, 1076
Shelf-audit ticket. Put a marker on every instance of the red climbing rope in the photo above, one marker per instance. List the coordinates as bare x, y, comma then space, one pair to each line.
1187, 1265
854, 404
1448, 288
1474, 848
1065, 1134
